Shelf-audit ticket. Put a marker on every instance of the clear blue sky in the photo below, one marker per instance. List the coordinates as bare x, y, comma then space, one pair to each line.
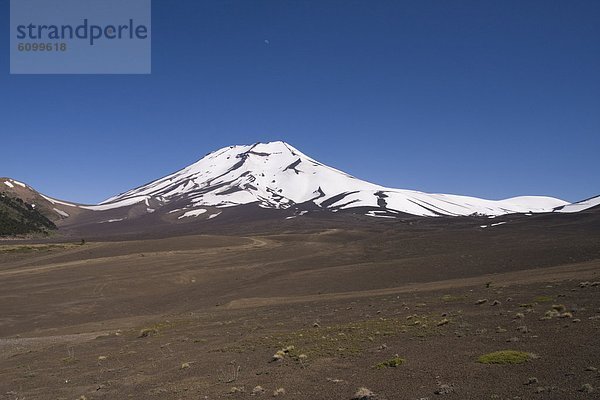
485, 98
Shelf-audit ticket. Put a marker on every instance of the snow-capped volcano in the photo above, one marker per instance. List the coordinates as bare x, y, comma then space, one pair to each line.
276, 175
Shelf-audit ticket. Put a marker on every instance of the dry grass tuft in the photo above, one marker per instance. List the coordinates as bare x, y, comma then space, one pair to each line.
505, 357
391, 363
363, 394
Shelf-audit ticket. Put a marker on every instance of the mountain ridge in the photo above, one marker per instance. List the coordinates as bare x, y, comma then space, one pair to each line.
276, 176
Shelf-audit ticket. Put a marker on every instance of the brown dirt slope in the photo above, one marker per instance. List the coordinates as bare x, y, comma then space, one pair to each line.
319, 308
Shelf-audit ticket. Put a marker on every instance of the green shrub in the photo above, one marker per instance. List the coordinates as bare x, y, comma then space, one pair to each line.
505, 357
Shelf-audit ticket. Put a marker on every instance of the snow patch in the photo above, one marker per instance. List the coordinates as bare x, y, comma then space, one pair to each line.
211, 216
117, 204
10, 185
580, 205
111, 220
379, 214
496, 224
61, 212
54, 201
193, 213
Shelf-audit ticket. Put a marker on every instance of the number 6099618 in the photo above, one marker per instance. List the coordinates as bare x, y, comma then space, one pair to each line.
42, 47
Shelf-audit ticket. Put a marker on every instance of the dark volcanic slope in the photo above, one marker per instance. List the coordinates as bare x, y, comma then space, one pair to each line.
250, 219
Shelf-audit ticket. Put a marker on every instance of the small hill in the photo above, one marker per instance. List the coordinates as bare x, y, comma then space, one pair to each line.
20, 218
